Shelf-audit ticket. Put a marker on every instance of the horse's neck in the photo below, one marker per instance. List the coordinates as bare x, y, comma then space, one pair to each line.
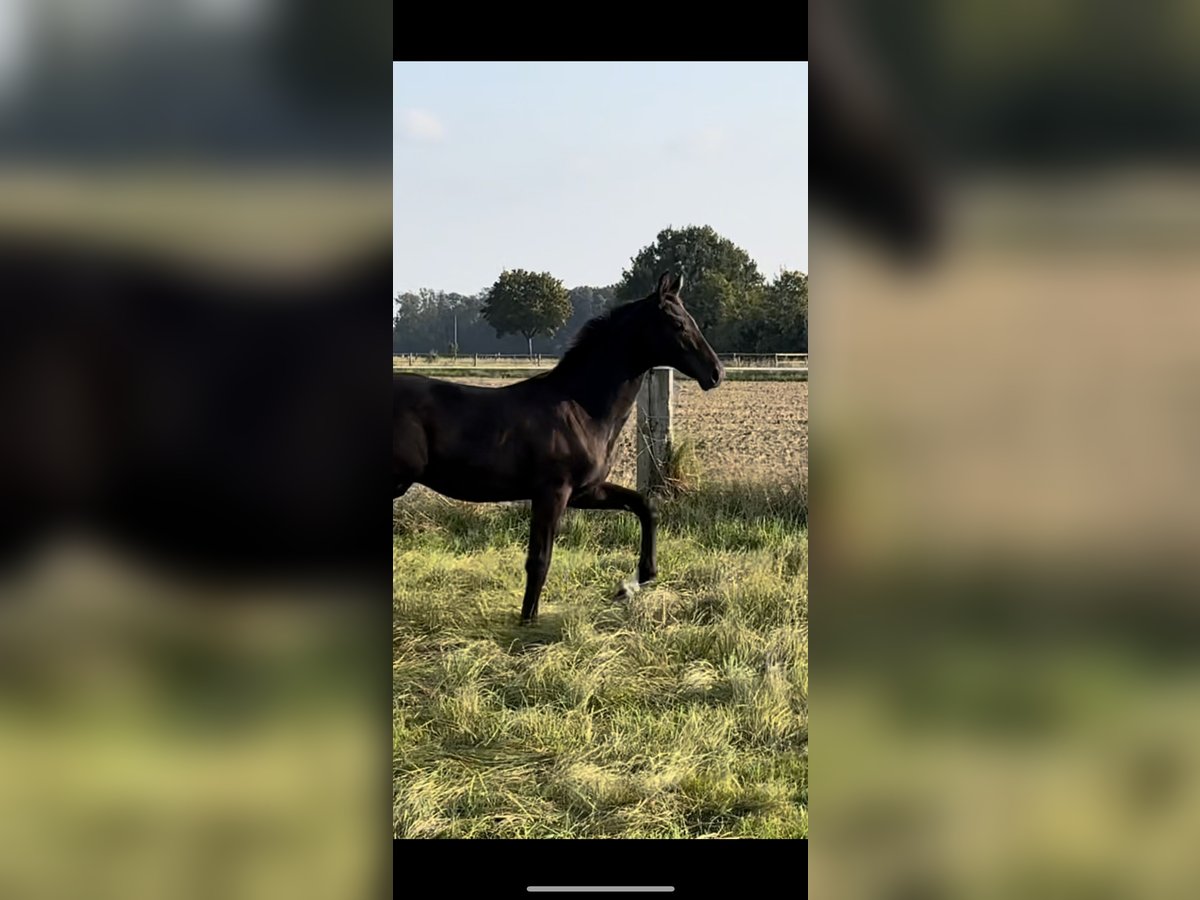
608, 392
623, 397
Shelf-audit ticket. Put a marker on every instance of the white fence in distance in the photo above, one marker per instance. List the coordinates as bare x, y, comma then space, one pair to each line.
521, 361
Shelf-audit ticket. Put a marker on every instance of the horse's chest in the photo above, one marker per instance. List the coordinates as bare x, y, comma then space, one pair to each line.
615, 435
603, 452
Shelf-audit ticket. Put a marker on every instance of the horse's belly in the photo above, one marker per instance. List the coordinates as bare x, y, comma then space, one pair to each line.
475, 486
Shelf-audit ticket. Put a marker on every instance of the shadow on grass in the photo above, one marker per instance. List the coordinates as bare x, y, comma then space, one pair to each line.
515, 638
761, 504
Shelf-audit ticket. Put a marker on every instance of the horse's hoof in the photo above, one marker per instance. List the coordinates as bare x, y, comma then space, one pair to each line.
626, 591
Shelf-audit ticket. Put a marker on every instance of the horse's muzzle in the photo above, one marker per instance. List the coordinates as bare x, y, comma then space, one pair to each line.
713, 378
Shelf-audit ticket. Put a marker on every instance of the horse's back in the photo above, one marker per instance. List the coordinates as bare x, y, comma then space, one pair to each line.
407, 387
469, 442
410, 389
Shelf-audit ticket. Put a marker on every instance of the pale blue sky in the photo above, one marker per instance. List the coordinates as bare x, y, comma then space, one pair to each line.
572, 168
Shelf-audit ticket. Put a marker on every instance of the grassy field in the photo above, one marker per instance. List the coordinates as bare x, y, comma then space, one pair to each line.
680, 713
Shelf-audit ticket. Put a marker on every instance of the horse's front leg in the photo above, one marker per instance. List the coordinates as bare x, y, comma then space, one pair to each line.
548, 507
613, 496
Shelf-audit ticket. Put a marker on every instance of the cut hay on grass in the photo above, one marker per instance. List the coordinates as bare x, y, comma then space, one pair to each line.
679, 713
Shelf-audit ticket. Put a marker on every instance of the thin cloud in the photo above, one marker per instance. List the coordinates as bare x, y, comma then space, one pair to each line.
421, 125
583, 164
706, 142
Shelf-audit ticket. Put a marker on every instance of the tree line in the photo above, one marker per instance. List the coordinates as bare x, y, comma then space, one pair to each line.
736, 307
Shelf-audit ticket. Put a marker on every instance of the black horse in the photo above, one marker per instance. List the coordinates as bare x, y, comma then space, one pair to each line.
550, 439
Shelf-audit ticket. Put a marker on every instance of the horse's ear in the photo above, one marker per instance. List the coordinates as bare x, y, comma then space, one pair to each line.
664, 284
678, 285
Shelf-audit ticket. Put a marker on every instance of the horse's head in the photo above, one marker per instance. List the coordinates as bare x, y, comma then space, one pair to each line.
674, 339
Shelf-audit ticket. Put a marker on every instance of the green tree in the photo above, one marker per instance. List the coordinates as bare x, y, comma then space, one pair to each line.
717, 273
586, 303
426, 319
786, 305
527, 303
773, 320
414, 319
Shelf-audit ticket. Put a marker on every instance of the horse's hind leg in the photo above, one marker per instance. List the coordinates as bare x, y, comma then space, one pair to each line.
409, 453
543, 527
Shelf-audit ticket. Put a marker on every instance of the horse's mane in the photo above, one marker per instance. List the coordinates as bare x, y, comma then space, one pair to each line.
600, 332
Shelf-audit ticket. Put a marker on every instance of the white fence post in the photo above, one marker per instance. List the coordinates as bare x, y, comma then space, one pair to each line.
654, 427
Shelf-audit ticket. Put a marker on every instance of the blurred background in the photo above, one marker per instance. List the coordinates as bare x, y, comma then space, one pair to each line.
1006, 376
1004, 402
195, 209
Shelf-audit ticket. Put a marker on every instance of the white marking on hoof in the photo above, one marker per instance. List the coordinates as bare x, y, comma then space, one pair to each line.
628, 588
